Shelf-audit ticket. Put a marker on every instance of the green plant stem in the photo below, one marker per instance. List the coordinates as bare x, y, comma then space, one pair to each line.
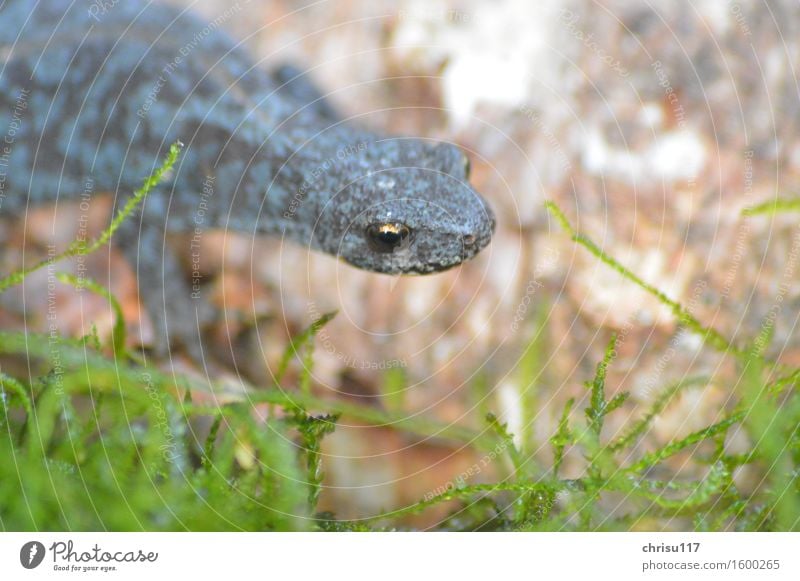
80, 247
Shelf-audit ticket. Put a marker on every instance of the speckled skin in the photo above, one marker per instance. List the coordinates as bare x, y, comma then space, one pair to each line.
93, 93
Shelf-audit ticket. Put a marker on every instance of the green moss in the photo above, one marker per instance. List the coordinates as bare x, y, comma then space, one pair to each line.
94, 440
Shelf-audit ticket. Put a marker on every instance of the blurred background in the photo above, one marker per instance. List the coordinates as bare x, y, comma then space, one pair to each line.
651, 126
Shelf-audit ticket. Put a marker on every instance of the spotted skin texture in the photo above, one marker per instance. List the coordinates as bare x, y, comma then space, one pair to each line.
92, 100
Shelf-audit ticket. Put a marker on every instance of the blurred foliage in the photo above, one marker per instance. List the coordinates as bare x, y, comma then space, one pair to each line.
94, 439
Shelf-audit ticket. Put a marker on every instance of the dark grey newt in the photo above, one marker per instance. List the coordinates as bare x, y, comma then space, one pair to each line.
93, 93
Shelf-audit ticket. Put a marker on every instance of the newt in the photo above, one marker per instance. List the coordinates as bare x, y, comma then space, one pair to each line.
93, 94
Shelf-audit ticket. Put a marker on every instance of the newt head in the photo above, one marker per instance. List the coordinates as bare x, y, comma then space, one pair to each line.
404, 206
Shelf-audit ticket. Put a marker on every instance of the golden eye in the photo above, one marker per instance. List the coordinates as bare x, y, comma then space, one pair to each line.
388, 236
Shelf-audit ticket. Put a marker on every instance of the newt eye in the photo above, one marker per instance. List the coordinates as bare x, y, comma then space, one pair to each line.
388, 236
467, 167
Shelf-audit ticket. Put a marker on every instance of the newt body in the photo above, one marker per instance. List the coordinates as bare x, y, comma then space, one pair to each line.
92, 101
